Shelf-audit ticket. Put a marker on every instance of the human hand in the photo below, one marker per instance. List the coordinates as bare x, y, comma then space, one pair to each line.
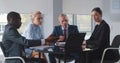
84, 44
61, 38
35, 54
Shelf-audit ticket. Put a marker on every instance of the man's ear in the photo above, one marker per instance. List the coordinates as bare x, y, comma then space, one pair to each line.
10, 21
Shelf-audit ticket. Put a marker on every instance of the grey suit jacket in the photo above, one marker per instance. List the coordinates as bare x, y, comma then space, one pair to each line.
13, 43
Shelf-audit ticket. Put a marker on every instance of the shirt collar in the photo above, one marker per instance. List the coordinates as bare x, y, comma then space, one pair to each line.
63, 28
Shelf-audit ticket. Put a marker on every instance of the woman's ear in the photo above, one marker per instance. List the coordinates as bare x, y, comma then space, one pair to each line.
59, 22
32, 19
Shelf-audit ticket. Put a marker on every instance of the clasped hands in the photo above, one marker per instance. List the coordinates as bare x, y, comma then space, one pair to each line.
61, 38
35, 54
84, 44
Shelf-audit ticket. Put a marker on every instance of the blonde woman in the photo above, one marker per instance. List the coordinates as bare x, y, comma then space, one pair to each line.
34, 32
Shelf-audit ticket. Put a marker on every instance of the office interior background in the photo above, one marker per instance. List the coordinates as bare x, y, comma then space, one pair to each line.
78, 12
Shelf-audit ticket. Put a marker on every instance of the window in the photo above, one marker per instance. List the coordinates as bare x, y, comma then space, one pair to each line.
2, 27
26, 19
83, 22
70, 19
3, 22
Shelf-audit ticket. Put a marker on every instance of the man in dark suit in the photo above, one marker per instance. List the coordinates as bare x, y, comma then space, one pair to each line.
12, 41
100, 37
61, 32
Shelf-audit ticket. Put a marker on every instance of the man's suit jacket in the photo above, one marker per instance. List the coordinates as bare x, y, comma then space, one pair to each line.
14, 43
100, 37
58, 30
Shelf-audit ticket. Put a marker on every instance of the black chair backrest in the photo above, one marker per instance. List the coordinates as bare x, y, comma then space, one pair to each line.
114, 54
116, 41
3, 49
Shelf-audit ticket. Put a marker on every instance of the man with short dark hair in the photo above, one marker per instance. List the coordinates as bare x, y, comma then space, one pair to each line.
100, 38
12, 41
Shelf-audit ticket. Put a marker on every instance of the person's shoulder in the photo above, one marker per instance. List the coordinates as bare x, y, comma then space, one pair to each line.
72, 26
105, 23
57, 26
28, 29
10, 27
30, 25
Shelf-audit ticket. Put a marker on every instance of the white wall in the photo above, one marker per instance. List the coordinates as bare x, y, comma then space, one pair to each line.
80, 6
112, 18
26, 6
57, 9
85, 7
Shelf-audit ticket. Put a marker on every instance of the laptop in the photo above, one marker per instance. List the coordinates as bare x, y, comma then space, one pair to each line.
74, 42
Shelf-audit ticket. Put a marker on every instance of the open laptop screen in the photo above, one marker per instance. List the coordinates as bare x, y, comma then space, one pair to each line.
74, 41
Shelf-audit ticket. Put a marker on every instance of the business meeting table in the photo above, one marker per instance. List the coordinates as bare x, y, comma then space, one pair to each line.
48, 49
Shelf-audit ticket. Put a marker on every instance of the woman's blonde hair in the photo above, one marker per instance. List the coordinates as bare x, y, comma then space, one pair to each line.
35, 13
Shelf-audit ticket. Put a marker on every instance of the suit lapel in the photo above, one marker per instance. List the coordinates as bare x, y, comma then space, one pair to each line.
69, 29
60, 30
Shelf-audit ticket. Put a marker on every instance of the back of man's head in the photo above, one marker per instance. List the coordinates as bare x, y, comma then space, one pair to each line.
12, 15
14, 19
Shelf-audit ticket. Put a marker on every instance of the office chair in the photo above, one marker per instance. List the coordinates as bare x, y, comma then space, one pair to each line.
8, 58
113, 49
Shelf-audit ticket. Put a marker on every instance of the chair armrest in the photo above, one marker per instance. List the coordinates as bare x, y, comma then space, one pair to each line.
110, 48
20, 58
